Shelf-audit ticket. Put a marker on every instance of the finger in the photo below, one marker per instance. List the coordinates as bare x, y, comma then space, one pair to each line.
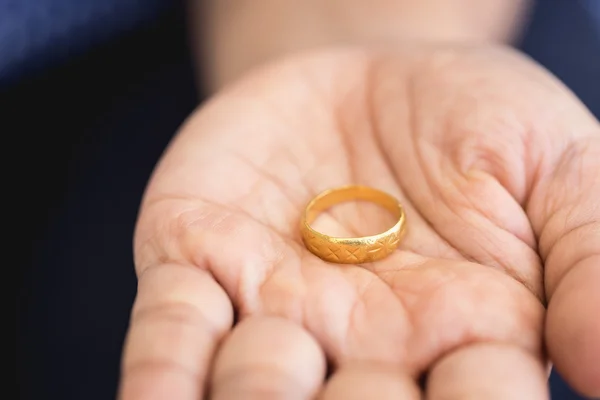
370, 381
268, 358
179, 316
488, 371
565, 212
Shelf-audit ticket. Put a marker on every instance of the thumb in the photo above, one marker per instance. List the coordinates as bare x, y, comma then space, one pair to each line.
564, 209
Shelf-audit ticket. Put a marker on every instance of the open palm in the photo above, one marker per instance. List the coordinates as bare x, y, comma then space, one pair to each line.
497, 166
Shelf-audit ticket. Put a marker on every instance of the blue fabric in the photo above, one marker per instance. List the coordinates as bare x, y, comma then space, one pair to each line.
594, 7
36, 34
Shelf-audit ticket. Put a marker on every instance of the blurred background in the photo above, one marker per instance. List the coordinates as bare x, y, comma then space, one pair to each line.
90, 93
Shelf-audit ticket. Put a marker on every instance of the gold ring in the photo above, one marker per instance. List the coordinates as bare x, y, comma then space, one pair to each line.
352, 250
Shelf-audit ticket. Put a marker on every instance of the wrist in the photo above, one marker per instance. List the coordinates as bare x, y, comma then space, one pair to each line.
233, 36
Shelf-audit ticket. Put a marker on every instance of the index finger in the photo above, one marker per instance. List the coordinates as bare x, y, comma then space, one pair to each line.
180, 315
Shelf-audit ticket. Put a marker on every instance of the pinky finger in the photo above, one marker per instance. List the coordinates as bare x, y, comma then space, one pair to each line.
179, 316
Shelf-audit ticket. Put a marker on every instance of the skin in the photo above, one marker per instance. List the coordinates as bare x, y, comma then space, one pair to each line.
232, 36
496, 164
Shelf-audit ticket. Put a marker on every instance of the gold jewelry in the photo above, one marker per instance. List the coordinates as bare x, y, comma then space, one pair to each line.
352, 250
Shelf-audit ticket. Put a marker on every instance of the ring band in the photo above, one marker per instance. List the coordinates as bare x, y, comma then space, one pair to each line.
352, 250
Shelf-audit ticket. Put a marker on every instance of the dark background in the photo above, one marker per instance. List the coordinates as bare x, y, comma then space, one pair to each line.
88, 124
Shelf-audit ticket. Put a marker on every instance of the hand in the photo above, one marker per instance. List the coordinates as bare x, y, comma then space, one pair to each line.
497, 166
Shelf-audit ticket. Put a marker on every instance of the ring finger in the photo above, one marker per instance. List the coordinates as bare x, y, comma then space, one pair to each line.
268, 358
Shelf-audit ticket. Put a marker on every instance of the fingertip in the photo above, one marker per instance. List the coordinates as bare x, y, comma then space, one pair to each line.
370, 380
268, 357
180, 315
488, 371
167, 383
573, 328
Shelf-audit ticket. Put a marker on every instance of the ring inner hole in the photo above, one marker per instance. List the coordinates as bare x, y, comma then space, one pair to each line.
364, 215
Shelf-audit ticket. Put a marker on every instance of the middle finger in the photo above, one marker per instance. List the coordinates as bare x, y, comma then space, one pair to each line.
366, 380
